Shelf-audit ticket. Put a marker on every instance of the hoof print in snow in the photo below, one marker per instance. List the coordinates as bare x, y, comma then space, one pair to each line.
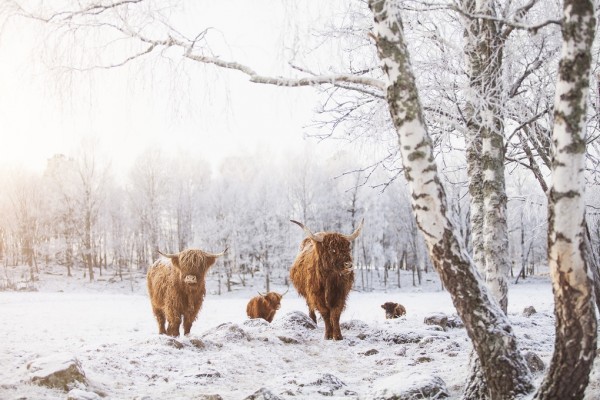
423, 359
455, 322
437, 319
197, 343
174, 343
295, 319
354, 325
78, 394
326, 384
427, 340
227, 332
369, 352
59, 371
529, 311
256, 323
288, 340
413, 386
534, 362
263, 394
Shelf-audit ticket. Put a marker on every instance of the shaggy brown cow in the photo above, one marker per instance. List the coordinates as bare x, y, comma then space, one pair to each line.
323, 274
264, 306
393, 310
177, 288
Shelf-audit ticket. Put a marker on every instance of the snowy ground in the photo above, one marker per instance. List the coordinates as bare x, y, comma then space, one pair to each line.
111, 331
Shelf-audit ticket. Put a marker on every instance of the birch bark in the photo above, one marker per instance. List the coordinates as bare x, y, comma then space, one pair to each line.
575, 343
505, 370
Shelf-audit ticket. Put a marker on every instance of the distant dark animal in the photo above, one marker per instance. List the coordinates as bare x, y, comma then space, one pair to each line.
264, 305
177, 287
393, 310
323, 274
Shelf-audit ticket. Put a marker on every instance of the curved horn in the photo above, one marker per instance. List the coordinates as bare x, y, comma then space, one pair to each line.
308, 232
283, 294
218, 254
355, 234
168, 255
262, 295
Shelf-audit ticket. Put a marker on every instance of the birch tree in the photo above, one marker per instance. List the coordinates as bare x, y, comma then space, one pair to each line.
575, 342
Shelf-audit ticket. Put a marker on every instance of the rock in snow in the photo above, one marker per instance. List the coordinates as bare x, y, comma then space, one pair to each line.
78, 394
411, 387
263, 394
59, 371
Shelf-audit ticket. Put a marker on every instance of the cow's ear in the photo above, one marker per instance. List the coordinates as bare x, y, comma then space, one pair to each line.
383, 306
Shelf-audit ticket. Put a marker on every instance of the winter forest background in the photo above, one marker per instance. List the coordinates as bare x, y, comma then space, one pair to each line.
462, 132
82, 212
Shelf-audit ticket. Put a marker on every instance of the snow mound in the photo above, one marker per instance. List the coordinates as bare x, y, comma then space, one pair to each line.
227, 333
59, 371
295, 320
414, 386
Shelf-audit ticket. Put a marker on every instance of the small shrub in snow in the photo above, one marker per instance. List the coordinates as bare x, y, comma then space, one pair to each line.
263, 394
227, 332
411, 387
355, 325
529, 311
294, 320
534, 362
59, 371
455, 322
438, 319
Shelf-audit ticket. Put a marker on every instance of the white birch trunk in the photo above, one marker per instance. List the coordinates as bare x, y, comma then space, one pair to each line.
505, 370
575, 343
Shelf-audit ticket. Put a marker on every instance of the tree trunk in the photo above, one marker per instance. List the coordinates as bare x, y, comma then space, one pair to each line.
505, 369
575, 342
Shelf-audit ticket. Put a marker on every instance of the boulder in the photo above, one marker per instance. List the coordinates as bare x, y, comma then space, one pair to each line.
58, 371
414, 386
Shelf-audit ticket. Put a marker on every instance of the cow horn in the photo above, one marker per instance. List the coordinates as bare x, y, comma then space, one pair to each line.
355, 234
263, 295
283, 294
168, 255
218, 254
308, 232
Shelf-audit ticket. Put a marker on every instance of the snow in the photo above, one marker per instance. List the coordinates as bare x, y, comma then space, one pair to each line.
111, 331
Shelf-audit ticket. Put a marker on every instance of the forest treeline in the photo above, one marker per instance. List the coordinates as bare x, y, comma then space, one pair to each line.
80, 214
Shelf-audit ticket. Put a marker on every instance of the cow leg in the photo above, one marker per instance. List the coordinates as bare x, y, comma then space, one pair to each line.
327, 319
188, 320
174, 324
160, 318
312, 315
270, 316
335, 324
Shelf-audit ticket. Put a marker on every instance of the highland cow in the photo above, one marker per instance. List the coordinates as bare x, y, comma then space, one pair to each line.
177, 288
393, 310
323, 274
264, 306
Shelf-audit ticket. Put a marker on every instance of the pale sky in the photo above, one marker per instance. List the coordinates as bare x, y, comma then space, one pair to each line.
129, 109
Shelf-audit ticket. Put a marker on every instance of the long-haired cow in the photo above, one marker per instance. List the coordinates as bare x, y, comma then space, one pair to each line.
264, 306
323, 274
177, 288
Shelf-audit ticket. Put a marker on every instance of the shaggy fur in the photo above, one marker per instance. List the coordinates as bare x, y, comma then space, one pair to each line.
393, 310
174, 293
264, 306
323, 274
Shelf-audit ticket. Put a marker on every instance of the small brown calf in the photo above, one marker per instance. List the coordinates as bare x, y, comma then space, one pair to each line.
264, 306
393, 310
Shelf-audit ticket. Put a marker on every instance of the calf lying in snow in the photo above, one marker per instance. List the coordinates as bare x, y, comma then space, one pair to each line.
393, 310
264, 306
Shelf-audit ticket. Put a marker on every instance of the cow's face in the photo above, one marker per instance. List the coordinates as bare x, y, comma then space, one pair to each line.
274, 299
335, 249
389, 308
192, 265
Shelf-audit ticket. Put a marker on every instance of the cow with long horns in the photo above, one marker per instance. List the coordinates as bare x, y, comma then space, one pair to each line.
323, 274
264, 305
177, 288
